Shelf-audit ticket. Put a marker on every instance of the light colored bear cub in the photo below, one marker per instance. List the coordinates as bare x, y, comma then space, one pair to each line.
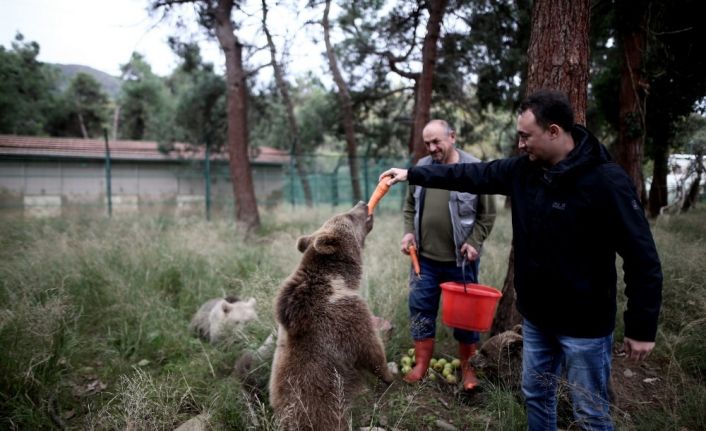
326, 336
219, 315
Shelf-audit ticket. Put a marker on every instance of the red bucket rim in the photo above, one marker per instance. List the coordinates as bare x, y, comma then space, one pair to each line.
477, 289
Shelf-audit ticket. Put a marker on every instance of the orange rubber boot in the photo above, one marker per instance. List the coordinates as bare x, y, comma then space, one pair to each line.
423, 350
465, 351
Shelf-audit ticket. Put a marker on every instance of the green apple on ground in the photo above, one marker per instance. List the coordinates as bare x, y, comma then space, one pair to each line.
451, 378
406, 361
456, 362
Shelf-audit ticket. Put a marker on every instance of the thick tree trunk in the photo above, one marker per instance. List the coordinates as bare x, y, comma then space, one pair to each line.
241, 176
424, 85
344, 99
633, 96
558, 60
558, 50
283, 89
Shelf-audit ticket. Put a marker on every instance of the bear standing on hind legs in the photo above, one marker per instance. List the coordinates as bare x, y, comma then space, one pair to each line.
326, 336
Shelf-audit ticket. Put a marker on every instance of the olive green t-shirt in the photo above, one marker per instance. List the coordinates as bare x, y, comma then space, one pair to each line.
437, 234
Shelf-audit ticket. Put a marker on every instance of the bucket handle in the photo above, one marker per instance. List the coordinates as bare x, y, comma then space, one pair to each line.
463, 272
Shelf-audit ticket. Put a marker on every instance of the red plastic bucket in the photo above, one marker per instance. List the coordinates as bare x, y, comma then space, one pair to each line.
469, 307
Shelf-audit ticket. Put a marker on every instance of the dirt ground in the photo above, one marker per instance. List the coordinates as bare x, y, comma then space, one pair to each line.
440, 406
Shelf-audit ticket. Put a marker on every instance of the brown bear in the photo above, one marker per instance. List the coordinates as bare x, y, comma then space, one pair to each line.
500, 357
217, 316
326, 336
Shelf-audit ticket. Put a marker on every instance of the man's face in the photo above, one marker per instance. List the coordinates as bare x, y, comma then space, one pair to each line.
439, 142
534, 140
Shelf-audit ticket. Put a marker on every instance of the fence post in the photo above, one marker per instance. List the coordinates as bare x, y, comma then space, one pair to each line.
292, 171
107, 173
207, 179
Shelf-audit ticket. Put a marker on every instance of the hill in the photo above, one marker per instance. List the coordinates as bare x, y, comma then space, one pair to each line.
111, 84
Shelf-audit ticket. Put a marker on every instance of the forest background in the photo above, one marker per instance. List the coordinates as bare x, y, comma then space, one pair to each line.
391, 67
85, 353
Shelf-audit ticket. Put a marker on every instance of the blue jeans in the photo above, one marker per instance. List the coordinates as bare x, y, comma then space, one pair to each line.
424, 295
587, 365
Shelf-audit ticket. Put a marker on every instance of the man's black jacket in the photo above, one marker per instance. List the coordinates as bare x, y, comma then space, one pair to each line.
569, 221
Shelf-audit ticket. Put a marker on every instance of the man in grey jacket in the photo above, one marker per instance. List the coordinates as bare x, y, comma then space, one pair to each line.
448, 230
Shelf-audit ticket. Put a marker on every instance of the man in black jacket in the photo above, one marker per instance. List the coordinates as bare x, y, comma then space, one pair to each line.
573, 209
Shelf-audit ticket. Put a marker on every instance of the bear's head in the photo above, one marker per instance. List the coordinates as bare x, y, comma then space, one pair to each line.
500, 357
226, 314
343, 234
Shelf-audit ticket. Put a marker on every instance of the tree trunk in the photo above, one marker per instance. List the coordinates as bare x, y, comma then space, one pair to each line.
424, 84
658, 188
116, 122
558, 51
289, 107
344, 99
558, 60
692, 195
82, 124
632, 99
241, 176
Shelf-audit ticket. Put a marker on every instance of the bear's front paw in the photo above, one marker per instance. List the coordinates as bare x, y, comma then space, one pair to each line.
390, 372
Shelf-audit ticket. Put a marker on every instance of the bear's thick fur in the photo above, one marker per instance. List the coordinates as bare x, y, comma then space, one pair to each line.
326, 335
500, 357
216, 316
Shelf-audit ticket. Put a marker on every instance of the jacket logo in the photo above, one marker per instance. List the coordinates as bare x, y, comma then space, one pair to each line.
559, 205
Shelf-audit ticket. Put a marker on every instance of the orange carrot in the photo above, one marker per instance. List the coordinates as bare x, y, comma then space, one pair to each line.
380, 191
415, 260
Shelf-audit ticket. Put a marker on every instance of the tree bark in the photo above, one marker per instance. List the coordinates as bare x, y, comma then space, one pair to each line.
558, 60
632, 98
558, 51
246, 211
283, 89
422, 103
344, 99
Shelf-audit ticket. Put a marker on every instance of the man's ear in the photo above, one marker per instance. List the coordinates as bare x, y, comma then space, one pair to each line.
326, 243
554, 130
303, 243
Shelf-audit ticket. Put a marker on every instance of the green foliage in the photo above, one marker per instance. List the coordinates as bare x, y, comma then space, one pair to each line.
28, 89
84, 105
496, 47
146, 111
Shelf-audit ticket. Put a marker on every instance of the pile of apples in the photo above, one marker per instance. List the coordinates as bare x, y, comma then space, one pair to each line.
441, 366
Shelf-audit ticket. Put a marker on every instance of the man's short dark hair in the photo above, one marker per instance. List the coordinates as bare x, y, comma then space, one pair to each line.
550, 107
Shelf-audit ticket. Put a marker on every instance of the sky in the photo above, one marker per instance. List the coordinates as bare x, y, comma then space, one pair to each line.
103, 34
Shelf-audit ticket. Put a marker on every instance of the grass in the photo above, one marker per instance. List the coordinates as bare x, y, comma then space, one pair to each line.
94, 320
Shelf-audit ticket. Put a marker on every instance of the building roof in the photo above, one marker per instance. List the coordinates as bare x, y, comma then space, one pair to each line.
36, 146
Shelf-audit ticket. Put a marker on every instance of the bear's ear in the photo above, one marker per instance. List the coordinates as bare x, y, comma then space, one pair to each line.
226, 307
303, 243
326, 243
250, 302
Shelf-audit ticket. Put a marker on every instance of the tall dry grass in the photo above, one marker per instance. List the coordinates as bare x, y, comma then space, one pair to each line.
94, 320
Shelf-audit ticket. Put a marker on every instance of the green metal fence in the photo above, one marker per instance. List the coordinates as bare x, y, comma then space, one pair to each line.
50, 186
